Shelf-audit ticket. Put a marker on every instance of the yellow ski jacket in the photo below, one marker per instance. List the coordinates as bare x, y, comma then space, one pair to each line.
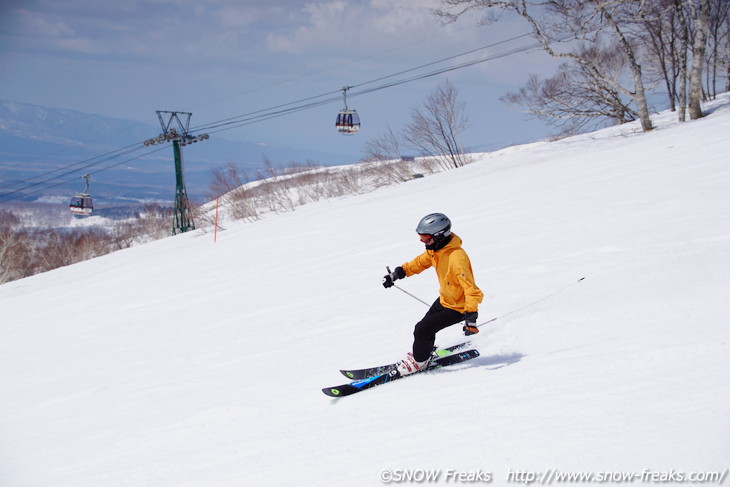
458, 291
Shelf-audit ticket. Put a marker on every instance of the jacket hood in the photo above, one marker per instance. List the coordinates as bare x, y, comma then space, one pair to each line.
451, 242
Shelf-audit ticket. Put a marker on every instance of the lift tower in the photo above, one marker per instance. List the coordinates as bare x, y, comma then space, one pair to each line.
180, 137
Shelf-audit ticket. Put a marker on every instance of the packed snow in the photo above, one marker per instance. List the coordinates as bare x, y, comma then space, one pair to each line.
189, 362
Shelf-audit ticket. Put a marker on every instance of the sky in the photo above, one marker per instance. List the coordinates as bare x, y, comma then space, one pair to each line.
224, 58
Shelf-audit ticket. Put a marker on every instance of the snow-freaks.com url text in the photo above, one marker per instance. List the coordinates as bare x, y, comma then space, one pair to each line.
552, 476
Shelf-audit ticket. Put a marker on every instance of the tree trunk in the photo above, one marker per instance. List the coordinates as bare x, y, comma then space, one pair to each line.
682, 60
639, 94
698, 58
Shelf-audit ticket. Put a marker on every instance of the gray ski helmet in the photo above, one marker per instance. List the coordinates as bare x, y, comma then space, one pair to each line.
437, 225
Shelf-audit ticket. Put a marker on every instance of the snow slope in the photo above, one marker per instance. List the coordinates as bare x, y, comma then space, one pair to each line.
188, 363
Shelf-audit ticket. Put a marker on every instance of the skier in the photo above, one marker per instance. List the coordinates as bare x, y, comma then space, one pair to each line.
459, 296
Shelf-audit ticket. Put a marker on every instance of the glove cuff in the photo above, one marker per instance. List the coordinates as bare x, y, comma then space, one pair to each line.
470, 329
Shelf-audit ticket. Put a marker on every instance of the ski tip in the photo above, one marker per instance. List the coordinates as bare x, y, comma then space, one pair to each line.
332, 391
340, 391
347, 374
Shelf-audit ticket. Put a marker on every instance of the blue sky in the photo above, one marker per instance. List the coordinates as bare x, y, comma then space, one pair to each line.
224, 58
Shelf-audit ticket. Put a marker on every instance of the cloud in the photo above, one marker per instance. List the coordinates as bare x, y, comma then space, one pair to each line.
36, 24
81, 45
355, 26
233, 16
284, 35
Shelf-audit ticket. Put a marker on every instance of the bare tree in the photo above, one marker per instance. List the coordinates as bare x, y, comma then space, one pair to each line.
664, 37
701, 16
14, 255
434, 129
228, 185
724, 44
588, 21
681, 56
384, 152
152, 223
677, 30
276, 192
719, 35
385, 147
575, 98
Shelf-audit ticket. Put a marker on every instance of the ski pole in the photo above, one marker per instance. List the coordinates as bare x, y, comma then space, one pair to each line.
506, 314
401, 289
532, 303
411, 295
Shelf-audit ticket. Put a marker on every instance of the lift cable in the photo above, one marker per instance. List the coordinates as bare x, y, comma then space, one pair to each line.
52, 184
247, 118
269, 113
79, 164
261, 115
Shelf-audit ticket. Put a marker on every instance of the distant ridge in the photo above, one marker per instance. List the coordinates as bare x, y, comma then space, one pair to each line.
36, 139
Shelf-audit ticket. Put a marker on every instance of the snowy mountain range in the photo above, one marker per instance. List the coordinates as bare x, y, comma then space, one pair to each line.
198, 360
36, 139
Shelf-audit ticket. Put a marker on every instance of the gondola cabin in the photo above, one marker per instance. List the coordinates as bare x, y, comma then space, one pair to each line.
348, 122
82, 205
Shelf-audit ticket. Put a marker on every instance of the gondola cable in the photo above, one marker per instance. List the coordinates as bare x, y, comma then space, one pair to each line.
278, 110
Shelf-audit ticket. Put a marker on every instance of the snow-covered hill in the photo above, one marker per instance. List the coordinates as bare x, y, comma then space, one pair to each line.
186, 362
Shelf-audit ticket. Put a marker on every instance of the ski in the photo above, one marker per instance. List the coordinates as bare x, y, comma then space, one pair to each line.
384, 369
370, 382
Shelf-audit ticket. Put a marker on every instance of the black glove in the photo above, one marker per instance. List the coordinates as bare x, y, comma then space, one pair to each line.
470, 323
388, 279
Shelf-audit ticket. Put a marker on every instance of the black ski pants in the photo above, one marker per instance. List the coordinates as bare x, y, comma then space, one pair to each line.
424, 335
